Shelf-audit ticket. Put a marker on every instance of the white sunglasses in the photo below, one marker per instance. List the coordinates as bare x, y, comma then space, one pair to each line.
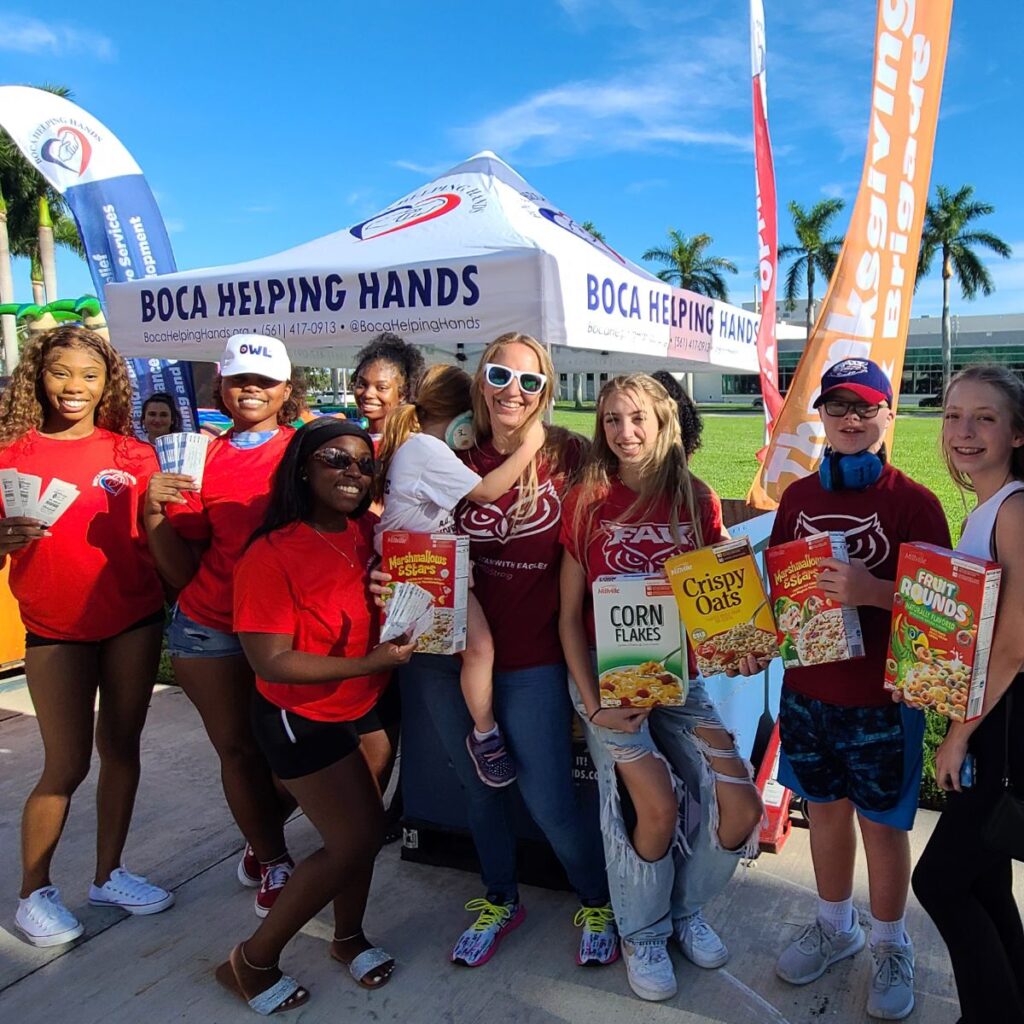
499, 376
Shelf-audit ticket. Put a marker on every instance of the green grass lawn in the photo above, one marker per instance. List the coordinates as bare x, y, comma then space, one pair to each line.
726, 459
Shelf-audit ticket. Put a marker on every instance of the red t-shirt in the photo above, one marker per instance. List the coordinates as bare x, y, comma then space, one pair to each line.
225, 513
618, 548
94, 577
877, 520
516, 564
293, 582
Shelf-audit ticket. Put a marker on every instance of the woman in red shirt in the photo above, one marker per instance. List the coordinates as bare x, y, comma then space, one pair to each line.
91, 603
635, 506
197, 536
310, 631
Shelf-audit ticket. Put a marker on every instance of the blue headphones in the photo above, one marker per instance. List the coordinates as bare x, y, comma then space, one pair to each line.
850, 472
460, 434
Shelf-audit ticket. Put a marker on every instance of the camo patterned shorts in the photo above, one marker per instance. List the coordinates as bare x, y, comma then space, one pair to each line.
870, 756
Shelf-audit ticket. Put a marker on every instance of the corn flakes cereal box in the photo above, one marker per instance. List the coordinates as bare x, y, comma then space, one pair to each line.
723, 604
641, 656
439, 563
943, 617
812, 629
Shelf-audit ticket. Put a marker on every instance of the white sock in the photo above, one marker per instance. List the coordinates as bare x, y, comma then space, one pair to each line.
478, 736
840, 915
888, 931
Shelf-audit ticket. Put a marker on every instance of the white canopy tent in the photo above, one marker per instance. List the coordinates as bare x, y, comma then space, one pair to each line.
471, 255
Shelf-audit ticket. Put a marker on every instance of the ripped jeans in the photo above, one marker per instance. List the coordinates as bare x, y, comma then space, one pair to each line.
648, 896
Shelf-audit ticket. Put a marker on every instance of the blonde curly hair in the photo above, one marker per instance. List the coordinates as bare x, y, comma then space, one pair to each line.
23, 406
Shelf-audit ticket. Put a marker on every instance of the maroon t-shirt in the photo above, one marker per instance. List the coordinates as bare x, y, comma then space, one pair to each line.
877, 520
617, 547
516, 564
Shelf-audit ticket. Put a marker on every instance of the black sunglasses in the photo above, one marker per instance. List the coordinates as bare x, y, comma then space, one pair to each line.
837, 408
338, 458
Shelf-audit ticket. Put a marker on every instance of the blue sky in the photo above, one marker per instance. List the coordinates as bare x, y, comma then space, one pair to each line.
262, 125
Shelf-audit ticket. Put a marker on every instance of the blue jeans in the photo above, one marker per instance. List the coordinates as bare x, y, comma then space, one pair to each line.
648, 896
532, 706
187, 638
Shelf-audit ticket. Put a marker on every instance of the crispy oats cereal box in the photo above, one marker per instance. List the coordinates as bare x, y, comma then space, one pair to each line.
641, 657
723, 604
812, 629
943, 616
439, 563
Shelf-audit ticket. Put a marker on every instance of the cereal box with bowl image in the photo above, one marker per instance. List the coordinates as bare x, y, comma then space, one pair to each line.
722, 602
641, 657
437, 563
812, 628
943, 616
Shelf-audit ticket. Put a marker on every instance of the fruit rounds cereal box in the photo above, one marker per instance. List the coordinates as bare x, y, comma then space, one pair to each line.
723, 604
641, 658
943, 615
812, 628
439, 563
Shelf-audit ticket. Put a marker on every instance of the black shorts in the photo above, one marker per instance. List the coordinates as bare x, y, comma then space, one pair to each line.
295, 746
37, 640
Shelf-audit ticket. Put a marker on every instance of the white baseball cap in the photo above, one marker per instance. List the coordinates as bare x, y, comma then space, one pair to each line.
256, 353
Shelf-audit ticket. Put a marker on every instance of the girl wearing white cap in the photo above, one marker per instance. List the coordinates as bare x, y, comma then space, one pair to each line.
197, 535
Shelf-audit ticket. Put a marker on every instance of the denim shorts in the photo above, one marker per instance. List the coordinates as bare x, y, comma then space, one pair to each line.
189, 639
870, 756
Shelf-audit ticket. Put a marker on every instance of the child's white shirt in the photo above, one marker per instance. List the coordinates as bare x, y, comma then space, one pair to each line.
425, 481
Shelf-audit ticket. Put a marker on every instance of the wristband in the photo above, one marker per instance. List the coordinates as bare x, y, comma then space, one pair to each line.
590, 717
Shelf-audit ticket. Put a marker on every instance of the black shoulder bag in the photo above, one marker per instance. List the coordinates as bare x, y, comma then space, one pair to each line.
1003, 831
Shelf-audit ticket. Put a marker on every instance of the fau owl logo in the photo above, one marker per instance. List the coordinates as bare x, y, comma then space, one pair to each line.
491, 523
642, 547
865, 538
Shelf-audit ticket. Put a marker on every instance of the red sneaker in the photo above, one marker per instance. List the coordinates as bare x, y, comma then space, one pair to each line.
274, 878
249, 873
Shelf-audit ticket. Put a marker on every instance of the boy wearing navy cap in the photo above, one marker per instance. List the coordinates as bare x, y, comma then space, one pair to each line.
846, 747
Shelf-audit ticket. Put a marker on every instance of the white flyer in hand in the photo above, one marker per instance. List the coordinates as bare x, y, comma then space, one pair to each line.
29, 486
183, 453
56, 500
11, 493
409, 612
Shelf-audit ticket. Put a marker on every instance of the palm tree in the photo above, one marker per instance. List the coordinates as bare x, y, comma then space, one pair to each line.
815, 249
945, 224
591, 227
8, 325
23, 187
686, 265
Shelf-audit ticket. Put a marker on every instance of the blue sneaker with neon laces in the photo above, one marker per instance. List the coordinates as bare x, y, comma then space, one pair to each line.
480, 941
599, 943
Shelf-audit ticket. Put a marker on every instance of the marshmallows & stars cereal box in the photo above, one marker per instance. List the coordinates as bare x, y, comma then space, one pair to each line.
641, 657
943, 617
812, 628
722, 602
439, 563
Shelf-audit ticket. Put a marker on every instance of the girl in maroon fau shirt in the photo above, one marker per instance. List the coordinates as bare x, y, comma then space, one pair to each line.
516, 555
636, 506
92, 604
309, 629
196, 537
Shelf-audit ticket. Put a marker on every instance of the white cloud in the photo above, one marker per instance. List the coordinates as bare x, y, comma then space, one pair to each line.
30, 35
838, 189
260, 208
430, 170
1008, 296
674, 101
646, 185
174, 225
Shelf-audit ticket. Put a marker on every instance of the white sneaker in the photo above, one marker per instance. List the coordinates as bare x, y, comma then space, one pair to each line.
130, 892
700, 942
44, 920
649, 969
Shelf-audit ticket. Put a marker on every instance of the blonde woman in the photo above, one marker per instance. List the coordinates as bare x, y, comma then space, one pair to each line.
635, 506
516, 555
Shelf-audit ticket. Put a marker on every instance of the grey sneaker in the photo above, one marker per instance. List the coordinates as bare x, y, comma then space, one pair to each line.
815, 949
649, 969
891, 996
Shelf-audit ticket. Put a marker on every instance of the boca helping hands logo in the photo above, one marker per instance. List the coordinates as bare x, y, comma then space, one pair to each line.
406, 216
68, 148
